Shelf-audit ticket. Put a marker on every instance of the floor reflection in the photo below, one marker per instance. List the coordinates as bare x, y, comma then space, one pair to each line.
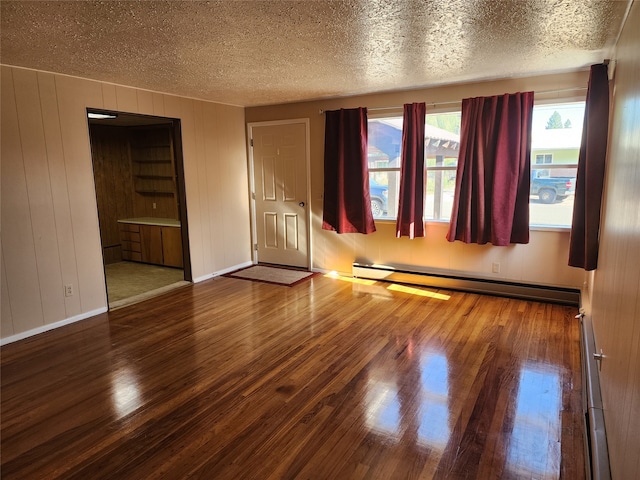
434, 409
534, 447
373, 287
126, 395
383, 409
415, 405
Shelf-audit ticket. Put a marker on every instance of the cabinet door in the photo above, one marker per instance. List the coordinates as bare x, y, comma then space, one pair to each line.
151, 244
172, 246
130, 242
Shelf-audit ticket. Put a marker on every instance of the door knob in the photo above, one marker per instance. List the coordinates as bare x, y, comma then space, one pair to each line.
301, 204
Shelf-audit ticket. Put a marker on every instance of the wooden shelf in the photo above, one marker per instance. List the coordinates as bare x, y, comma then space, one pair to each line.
153, 171
160, 145
155, 192
154, 177
164, 160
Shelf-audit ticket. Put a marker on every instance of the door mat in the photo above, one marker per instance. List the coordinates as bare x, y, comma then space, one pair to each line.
275, 275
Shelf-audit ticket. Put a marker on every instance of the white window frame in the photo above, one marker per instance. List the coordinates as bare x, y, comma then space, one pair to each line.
544, 158
392, 215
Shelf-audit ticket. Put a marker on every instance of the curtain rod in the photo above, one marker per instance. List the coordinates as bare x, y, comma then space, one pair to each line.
434, 104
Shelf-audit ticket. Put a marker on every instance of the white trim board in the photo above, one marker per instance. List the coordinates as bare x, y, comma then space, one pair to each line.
51, 326
217, 273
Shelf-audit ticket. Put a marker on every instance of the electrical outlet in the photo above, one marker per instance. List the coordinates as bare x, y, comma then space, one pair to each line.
68, 290
495, 267
154, 205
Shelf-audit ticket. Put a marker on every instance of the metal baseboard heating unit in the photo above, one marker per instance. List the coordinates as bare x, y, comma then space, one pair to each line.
442, 279
596, 450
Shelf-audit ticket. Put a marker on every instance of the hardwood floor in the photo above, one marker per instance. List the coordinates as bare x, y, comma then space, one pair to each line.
329, 379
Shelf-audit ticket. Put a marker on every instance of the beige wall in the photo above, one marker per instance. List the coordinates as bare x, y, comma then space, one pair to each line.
615, 285
543, 261
50, 233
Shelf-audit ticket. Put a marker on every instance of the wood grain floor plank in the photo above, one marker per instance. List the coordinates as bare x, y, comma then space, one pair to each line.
327, 379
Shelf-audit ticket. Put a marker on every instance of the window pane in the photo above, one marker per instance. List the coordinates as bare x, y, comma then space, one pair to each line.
442, 145
385, 141
439, 198
383, 189
551, 201
442, 141
555, 145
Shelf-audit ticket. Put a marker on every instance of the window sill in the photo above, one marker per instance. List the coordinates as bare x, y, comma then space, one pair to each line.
534, 228
549, 228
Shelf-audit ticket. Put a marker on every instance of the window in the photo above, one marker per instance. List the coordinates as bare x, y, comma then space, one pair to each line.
442, 145
385, 143
556, 137
544, 158
555, 144
442, 132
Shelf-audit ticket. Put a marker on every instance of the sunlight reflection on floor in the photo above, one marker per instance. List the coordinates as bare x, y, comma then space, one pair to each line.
534, 448
126, 396
394, 287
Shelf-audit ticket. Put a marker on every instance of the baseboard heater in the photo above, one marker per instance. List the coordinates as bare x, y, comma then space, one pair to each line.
596, 450
417, 276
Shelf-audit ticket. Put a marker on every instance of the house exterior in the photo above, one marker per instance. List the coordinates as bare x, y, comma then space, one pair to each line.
556, 146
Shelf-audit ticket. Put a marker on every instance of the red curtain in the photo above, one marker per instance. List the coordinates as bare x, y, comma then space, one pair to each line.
585, 228
347, 203
410, 221
491, 202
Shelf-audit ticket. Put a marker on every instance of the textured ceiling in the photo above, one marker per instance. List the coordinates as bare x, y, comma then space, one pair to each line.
266, 52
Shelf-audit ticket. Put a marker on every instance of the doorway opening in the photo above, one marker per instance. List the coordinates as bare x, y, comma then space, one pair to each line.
139, 181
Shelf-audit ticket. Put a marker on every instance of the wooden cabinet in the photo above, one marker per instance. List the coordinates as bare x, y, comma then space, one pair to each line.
130, 241
151, 238
156, 244
172, 246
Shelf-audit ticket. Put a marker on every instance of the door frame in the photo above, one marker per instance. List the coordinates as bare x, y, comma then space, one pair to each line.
175, 126
252, 185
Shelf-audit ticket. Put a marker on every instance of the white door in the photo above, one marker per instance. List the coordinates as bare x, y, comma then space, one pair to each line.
280, 186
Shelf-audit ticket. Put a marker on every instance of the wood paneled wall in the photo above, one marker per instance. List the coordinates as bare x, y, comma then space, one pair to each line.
50, 228
616, 282
154, 170
114, 185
